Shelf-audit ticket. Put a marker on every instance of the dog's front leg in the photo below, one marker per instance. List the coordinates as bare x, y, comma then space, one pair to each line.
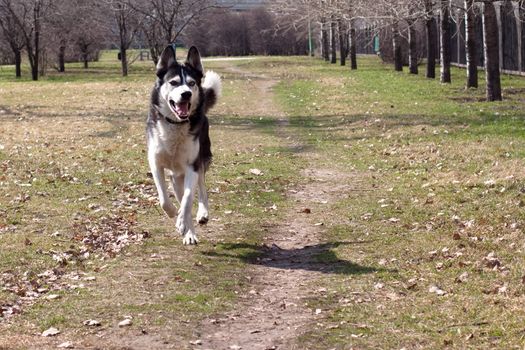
184, 221
162, 190
203, 212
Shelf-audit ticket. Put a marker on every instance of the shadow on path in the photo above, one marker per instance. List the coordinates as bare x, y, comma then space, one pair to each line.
318, 257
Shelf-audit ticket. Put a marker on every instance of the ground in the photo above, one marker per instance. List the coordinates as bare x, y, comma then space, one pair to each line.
349, 210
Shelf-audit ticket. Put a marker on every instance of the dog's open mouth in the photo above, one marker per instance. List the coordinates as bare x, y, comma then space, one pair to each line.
181, 109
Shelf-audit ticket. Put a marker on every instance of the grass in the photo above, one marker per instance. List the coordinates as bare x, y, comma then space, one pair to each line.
435, 189
446, 174
73, 164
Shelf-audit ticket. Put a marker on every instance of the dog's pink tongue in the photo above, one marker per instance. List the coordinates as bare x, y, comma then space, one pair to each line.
182, 109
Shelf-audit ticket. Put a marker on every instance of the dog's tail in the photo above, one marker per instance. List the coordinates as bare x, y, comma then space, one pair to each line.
212, 87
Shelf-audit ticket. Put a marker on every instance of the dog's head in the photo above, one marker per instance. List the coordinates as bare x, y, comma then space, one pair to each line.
180, 84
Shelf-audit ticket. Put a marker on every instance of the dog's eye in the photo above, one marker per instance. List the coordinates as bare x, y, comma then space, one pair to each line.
173, 83
191, 83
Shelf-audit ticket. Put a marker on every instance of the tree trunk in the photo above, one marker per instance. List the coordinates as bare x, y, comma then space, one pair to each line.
431, 41
34, 54
62, 59
353, 53
342, 45
491, 52
333, 41
18, 63
124, 61
85, 58
470, 40
398, 57
521, 13
446, 36
412, 48
325, 45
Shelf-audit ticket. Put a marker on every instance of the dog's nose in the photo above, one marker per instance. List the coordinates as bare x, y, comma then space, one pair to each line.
186, 95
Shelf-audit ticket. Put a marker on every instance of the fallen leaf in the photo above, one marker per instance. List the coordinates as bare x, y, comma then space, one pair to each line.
306, 211
411, 283
462, 278
66, 345
379, 285
436, 290
491, 261
196, 342
256, 172
91, 323
50, 332
125, 322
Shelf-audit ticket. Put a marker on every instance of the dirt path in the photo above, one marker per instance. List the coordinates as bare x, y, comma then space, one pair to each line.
273, 313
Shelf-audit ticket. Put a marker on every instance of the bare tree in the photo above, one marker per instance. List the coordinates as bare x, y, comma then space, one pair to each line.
445, 40
333, 36
353, 51
491, 52
342, 41
165, 20
12, 36
127, 22
412, 44
396, 45
471, 45
28, 16
431, 35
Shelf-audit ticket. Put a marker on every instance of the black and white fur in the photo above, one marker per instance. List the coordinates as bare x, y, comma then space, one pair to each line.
177, 135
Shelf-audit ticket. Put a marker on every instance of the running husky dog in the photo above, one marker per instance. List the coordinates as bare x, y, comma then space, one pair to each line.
177, 135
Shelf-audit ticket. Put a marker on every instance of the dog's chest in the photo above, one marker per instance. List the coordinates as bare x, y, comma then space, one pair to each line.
176, 148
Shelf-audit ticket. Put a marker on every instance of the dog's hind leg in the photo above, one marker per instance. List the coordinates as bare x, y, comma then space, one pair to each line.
184, 221
203, 212
162, 190
178, 186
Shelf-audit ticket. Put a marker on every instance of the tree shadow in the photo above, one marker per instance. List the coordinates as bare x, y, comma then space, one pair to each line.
319, 257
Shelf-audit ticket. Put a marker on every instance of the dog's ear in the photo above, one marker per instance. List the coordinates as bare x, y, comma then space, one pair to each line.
167, 58
194, 59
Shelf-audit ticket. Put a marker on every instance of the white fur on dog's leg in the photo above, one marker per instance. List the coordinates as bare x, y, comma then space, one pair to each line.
190, 238
180, 224
202, 214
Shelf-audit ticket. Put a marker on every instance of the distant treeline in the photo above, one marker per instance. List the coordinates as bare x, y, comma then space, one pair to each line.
255, 32
50, 33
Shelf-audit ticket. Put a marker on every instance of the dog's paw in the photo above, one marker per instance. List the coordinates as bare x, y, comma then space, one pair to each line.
190, 238
202, 216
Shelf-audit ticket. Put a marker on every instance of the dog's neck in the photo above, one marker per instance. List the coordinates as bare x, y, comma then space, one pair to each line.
174, 122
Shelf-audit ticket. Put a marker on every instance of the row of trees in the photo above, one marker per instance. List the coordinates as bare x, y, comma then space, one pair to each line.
338, 20
61, 30
229, 33
72, 29
56, 31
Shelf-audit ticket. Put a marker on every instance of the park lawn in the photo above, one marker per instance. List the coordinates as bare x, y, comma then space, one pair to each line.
435, 207
75, 191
